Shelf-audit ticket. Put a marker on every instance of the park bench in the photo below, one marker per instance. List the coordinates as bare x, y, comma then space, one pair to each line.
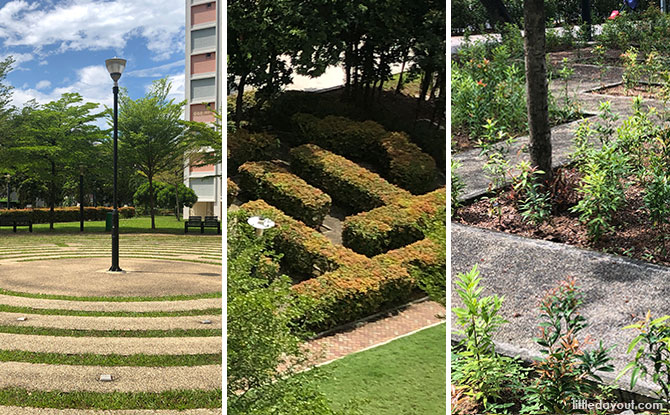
211, 222
15, 222
193, 222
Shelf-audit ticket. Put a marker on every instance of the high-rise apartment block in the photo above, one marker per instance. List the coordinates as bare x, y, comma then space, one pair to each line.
203, 91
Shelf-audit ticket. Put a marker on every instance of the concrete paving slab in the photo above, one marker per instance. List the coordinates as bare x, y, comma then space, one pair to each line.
45, 377
131, 306
618, 291
89, 277
111, 345
111, 323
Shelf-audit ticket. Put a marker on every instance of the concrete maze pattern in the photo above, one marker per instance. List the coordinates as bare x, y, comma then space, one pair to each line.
63, 326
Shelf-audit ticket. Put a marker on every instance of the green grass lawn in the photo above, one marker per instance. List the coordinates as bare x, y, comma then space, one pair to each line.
406, 376
141, 224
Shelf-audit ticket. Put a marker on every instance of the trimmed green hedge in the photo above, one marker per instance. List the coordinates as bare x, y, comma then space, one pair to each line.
245, 146
349, 184
65, 214
232, 190
302, 246
282, 108
390, 227
400, 161
268, 181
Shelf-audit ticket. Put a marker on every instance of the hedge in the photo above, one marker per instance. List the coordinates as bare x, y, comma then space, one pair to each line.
390, 227
282, 108
65, 214
302, 246
349, 184
400, 161
232, 190
245, 146
268, 181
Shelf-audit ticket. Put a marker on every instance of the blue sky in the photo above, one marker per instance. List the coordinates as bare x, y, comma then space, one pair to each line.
61, 46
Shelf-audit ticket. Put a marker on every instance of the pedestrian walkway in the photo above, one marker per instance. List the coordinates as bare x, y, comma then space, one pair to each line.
373, 333
617, 291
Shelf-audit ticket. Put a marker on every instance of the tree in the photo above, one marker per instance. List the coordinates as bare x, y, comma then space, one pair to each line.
151, 134
536, 87
56, 138
165, 198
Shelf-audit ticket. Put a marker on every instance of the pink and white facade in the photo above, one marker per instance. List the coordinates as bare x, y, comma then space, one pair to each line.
203, 90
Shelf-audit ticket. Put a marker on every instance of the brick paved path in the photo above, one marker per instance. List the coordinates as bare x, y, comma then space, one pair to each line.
367, 334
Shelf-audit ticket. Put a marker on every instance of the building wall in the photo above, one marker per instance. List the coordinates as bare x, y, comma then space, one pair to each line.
203, 85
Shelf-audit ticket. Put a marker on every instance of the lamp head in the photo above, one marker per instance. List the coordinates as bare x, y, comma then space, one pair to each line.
115, 67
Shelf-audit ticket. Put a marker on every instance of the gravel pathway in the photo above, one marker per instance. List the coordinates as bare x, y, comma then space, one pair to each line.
111, 323
131, 306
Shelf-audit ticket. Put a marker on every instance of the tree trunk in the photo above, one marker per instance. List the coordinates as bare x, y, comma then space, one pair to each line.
151, 201
497, 11
239, 101
536, 87
347, 71
425, 84
176, 200
52, 196
398, 87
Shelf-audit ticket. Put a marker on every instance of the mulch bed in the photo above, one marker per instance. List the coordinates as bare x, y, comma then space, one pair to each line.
634, 234
647, 91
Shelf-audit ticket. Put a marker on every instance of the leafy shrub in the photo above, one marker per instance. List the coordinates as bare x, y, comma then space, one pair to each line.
65, 214
271, 182
245, 146
390, 227
533, 199
232, 190
657, 201
566, 371
652, 347
349, 185
631, 69
485, 373
431, 140
282, 108
400, 160
164, 196
307, 252
647, 31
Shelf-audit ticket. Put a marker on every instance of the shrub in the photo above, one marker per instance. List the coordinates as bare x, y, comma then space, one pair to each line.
274, 184
393, 226
245, 146
457, 186
282, 108
65, 214
303, 247
406, 165
232, 190
431, 140
350, 185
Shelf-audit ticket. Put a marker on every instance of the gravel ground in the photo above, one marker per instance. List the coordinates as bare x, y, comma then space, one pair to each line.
111, 345
125, 379
111, 323
135, 306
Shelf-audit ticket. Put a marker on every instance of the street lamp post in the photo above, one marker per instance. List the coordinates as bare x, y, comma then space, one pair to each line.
115, 68
81, 198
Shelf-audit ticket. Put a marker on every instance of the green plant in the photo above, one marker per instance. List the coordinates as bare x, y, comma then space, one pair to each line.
599, 53
565, 73
652, 66
607, 120
657, 202
533, 199
631, 69
457, 186
654, 347
565, 371
496, 152
479, 367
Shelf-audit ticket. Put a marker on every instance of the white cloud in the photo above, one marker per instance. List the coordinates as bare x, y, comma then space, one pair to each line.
43, 84
94, 25
156, 71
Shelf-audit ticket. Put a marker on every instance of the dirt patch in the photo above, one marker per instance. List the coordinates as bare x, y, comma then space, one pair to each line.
633, 235
646, 90
585, 56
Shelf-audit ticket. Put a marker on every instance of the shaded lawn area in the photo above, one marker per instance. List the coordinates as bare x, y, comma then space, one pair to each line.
140, 224
406, 376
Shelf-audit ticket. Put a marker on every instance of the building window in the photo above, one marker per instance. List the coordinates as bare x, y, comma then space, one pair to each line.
209, 5
209, 55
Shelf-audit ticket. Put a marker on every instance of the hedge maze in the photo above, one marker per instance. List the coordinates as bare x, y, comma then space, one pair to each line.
386, 185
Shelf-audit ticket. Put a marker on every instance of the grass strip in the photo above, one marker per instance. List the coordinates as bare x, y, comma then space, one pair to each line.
89, 359
47, 331
86, 313
174, 399
111, 299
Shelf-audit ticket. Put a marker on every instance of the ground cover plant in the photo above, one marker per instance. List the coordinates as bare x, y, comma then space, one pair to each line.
403, 376
612, 197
